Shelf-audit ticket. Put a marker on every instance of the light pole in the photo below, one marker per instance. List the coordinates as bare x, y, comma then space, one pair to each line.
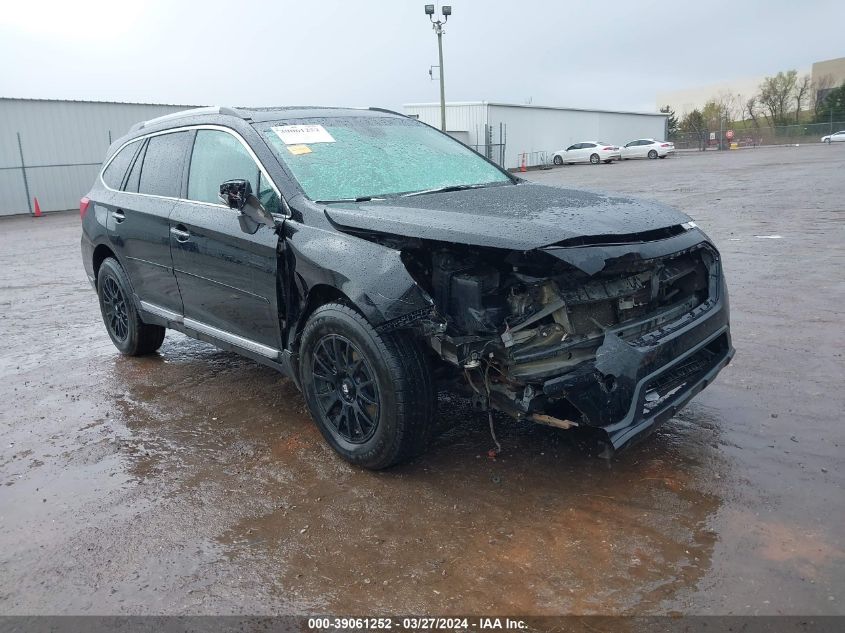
437, 25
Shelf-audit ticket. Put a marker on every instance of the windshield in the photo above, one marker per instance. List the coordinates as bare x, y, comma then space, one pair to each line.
370, 156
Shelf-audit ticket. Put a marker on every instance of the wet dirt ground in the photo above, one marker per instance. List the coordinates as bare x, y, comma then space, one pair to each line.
194, 481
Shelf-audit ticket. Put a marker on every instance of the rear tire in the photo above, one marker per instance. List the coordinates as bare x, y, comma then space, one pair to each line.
607, 162
130, 335
594, 159
557, 160
664, 156
652, 154
371, 395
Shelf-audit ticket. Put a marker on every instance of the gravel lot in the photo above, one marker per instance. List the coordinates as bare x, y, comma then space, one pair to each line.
194, 481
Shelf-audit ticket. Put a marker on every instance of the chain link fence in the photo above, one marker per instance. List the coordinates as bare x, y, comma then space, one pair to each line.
749, 135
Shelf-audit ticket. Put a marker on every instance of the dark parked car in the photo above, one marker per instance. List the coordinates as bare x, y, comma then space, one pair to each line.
375, 260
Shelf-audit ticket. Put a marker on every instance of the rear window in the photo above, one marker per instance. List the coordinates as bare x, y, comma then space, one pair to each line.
161, 173
114, 173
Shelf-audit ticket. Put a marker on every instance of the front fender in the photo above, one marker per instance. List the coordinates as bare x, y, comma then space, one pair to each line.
370, 275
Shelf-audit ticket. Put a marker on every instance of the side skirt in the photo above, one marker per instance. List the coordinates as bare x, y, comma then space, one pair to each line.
280, 360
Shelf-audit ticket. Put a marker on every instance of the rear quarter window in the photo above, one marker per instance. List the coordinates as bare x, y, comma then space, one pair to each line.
161, 173
116, 170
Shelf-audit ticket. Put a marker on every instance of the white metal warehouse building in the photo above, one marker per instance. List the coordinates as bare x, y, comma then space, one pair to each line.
51, 150
504, 131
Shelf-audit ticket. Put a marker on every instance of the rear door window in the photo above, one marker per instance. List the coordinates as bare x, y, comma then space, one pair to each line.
114, 173
161, 173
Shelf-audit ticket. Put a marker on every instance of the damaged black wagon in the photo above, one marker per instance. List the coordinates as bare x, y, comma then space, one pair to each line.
376, 260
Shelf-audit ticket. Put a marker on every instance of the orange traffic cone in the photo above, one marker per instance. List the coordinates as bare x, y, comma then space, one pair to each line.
38, 213
522, 166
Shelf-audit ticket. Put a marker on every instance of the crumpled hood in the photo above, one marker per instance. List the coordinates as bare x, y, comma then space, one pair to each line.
515, 217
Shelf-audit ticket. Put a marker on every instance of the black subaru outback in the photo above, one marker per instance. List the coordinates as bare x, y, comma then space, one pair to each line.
375, 260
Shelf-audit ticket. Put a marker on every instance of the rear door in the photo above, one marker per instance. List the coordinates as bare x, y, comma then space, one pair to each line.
227, 277
587, 150
141, 220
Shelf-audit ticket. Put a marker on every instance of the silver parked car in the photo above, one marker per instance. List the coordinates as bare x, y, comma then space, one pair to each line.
594, 152
647, 148
836, 137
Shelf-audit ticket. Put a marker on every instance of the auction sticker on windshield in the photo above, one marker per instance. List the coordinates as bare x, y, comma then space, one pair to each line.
296, 150
302, 134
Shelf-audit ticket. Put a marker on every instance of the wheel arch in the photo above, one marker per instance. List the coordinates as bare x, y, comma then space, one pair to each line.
101, 253
319, 295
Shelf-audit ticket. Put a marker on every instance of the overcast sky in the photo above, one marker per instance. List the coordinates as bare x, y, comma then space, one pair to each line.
606, 54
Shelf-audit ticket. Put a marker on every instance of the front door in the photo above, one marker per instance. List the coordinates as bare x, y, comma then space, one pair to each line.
227, 278
572, 154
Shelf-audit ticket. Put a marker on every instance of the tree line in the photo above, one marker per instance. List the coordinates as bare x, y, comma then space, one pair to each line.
782, 99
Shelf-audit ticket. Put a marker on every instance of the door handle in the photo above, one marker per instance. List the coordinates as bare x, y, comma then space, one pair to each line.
118, 216
180, 233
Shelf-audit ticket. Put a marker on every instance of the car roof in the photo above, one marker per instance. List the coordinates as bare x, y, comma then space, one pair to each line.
260, 115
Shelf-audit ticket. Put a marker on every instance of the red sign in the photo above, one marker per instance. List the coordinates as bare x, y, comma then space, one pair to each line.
729, 134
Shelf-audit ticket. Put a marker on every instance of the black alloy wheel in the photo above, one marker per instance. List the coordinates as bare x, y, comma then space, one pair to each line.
371, 393
114, 309
346, 389
127, 330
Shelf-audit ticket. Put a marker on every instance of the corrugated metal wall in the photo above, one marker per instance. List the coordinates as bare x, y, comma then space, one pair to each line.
536, 129
467, 119
533, 129
64, 143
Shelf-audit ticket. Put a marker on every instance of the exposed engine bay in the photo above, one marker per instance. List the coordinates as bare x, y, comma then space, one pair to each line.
513, 323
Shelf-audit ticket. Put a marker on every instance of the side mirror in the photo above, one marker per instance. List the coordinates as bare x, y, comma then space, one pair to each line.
234, 193
237, 194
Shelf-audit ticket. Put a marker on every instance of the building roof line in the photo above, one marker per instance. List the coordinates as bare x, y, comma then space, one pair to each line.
535, 106
141, 103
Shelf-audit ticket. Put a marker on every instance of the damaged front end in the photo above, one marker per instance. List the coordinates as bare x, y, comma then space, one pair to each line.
614, 333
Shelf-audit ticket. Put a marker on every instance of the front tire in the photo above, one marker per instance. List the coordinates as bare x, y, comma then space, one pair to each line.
130, 335
371, 395
652, 154
827, 140
557, 160
594, 159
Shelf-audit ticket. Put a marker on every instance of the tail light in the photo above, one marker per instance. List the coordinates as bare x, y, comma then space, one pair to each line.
665, 145
84, 203
607, 149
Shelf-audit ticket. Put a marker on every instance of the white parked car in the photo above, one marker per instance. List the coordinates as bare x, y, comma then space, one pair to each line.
594, 152
647, 148
836, 137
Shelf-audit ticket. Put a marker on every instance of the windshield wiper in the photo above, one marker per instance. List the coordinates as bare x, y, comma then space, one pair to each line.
442, 190
358, 199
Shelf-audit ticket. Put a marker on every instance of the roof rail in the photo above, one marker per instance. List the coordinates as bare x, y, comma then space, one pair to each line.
387, 111
187, 113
